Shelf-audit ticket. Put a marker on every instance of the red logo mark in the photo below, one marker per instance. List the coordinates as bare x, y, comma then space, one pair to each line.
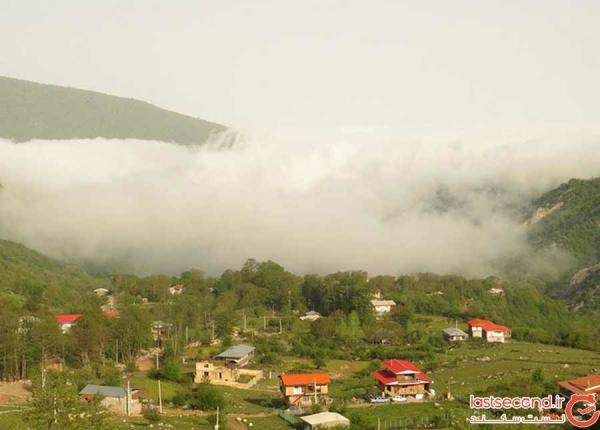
589, 407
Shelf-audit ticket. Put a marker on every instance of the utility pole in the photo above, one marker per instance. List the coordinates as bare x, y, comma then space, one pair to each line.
128, 398
245, 321
43, 369
290, 300
265, 322
217, 424
280, 327
117, 351
212, 323
157, 365
160, 410
186, 335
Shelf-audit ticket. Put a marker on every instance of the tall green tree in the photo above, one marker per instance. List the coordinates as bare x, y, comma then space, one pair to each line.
56, 406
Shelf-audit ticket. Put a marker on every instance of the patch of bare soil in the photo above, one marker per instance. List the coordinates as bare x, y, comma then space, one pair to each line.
14, 393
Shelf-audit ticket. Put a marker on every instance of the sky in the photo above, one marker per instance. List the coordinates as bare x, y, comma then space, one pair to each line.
390, 136
419, 68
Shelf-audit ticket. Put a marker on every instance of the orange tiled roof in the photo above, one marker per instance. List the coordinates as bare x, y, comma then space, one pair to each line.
304, 378
583, 385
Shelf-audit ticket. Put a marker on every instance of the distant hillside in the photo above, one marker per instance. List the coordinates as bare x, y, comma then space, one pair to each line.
569, 217
28, 278
30, 110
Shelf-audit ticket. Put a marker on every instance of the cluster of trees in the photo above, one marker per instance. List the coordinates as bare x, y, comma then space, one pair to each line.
524, 305
29, 339
57, 406
574, 226
264, 295
212, 307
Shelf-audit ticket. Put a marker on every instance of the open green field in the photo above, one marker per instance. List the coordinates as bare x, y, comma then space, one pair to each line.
474, 367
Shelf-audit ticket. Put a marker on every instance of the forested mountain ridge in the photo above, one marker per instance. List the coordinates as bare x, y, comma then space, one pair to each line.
29, 279
30, 110
568, 217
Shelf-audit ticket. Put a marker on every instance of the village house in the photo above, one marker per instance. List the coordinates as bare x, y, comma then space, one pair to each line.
589, 384
402, 378
324, 420
310, 316
382, 307
66, 321
226, 366
304, 389
176, 289
489, 330
214, 372
238, 355
454, 334
99, 292
496, 291
55, 364
115, 399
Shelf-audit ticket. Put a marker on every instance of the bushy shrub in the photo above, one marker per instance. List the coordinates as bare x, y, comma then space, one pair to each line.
180, 399
170, 370
151, 415
205, 397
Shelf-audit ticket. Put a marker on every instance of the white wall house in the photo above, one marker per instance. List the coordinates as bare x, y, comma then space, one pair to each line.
382, 307
489, 330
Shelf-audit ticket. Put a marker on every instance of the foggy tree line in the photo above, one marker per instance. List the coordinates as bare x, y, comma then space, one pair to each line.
212, 307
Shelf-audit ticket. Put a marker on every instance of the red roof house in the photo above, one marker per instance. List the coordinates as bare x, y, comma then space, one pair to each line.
304, 389
67, 318
489, 330
67, 321
589, 384
402, 378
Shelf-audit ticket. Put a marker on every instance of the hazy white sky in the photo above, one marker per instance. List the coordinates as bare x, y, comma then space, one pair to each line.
414, 66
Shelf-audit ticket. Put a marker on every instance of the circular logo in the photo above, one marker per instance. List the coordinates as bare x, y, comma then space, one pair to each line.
586, 407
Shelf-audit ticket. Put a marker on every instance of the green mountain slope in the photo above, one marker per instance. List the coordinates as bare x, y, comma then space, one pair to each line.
569, 217
30, 110
29, 279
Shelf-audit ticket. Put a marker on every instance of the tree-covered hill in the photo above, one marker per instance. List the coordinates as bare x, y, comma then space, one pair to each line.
30, 110
569, 217
28, 279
